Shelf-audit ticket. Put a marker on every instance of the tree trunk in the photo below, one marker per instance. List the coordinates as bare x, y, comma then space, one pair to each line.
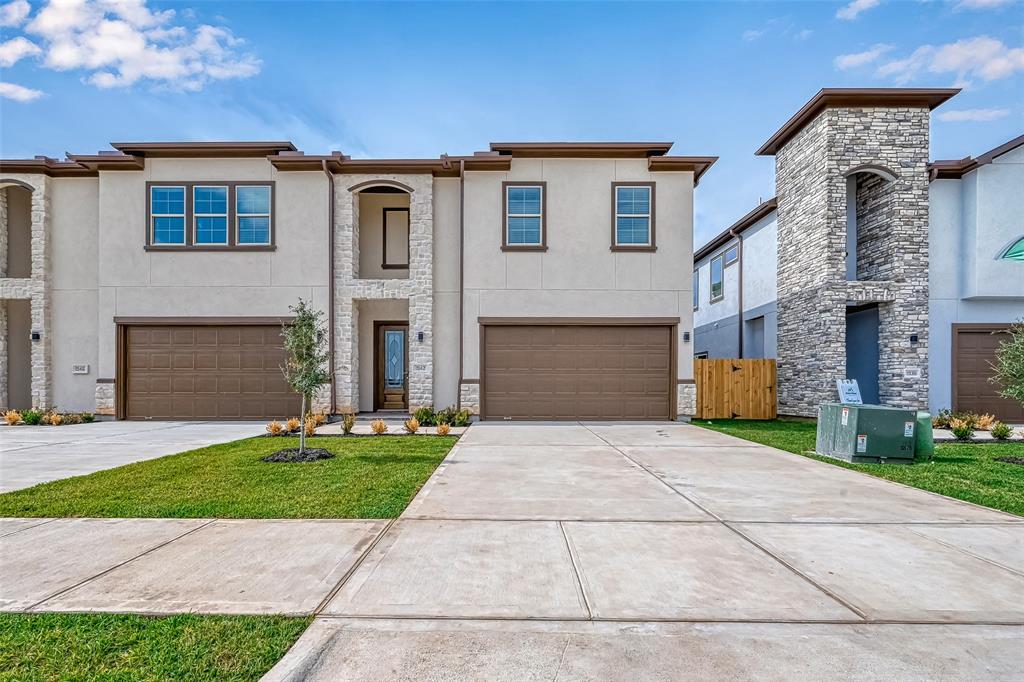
302, 427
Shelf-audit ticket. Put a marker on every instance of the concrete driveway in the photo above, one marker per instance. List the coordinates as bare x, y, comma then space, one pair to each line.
670, 552
35, 454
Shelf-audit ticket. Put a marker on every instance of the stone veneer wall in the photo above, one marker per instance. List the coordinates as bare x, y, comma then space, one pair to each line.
811, 171
686, 399
469, 397
35, 288
874, 215
350, 288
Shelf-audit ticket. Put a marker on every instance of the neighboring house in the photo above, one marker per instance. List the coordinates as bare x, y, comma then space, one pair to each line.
906, 301
531, 281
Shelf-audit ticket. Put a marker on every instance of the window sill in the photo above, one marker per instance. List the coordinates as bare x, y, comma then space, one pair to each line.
210, 247
718, 300
643, 249
524, 247
394, 266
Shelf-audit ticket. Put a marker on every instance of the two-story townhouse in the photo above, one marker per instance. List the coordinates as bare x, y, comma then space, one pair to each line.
925, 256
530, 281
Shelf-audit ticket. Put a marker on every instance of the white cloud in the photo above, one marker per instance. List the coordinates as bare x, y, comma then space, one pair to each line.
850, 12
958, 115
14, 13
16, 49
19, 93
845, 62
981, 57
753, 35
804, 34
118, 43
981, 4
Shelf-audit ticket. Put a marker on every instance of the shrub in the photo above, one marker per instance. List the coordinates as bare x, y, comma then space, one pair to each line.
984, 422
12, 417
1000, 431
310, 426
320, 418
443, 429
425, 415
54, 418
348, 422
411, 425
962, 429
274, 428
379, 426
88, 417
1009, 367
444, 416
462, 418
941, 420
71, 418
32, 417
293, 424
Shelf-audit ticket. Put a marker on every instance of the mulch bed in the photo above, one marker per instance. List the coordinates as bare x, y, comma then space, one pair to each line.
292, 455
1019, 461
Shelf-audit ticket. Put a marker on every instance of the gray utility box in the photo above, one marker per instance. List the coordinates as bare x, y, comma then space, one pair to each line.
866, 433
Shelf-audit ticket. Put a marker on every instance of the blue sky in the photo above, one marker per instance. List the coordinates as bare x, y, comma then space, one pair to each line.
418, 79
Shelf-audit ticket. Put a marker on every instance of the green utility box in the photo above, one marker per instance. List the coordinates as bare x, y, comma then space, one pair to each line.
866, 433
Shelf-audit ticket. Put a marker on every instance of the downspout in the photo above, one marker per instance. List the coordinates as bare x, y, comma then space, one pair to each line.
462, 275
739, 262
330, 278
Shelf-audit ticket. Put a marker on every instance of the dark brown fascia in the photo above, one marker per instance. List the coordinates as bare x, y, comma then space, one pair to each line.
828, 98
698, 165
445, 166
202, 150
105, 162
581, 150
47, 166
726, 235
949, 169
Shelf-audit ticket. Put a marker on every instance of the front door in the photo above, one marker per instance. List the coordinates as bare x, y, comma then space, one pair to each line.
391, 363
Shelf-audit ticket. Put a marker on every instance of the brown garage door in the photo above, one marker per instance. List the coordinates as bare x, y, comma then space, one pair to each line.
206, 372
974, 352
561, 371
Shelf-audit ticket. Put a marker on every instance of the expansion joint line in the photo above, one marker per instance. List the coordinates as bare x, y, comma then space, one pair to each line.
355, 566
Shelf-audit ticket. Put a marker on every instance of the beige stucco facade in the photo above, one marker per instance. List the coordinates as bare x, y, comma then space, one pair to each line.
91, 267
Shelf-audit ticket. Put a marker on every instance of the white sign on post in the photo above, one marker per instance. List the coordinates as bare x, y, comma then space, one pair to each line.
849, 391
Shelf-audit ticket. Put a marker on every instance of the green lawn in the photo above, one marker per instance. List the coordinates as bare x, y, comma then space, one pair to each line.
370, 478
69, 646
964, 471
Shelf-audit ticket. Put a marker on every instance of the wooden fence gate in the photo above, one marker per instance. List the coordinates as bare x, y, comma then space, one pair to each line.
735, 389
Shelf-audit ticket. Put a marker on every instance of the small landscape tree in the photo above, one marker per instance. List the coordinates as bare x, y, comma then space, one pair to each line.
1009, 366
305, 366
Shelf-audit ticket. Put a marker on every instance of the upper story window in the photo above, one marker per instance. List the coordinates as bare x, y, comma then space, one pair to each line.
732, 254
525, 222
696, 289
201, 216
1015, 252
633, 216
717, 278
252, 213
210, 214
167, 215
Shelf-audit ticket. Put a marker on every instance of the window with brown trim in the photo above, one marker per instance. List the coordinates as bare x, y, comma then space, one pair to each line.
524, 216
633, 216
210, 216
395, 231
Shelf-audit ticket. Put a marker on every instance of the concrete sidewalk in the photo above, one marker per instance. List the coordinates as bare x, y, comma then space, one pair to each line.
30, 455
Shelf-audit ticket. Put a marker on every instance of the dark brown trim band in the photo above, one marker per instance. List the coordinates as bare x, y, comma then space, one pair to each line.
232, 218
698, 165
543, 246
359, 187
202, 321
579, 321
946, 170
653, 245
202, 150
581, 150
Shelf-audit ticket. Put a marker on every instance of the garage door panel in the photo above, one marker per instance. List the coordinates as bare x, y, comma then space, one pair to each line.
207, 372
577, 372
972, 389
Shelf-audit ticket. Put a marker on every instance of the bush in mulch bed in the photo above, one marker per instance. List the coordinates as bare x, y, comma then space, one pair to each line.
292, 455
1019, 461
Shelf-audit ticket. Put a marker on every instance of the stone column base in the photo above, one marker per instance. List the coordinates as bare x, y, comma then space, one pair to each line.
469, 397
686, 400
105, 398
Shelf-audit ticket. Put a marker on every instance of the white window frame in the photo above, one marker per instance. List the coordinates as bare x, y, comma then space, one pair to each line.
711, 279
633, 215
196, 215
696, 289
270, 220
539, 216
734, 248
153, 216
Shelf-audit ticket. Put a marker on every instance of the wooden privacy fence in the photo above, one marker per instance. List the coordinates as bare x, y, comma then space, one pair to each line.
735, 389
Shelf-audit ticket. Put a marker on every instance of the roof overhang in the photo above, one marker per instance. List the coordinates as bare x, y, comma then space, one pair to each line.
581, 150
202, 150
444, 166
953, 169
830, 98
44, 165
698, 165
730, 233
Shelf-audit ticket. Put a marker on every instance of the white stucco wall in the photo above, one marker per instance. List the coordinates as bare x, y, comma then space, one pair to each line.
578, 276
446, 292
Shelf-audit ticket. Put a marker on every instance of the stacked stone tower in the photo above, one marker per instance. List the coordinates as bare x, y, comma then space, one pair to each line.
869, 147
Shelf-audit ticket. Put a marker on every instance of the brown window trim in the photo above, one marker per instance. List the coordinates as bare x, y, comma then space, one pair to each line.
543, 246
653, 246
189, 244
384, 231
